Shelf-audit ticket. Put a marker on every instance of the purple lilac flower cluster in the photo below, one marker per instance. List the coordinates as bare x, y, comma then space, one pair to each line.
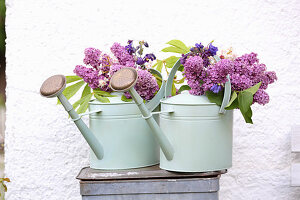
199, 50
146, 85
98, 75
245, 71
130, 56
103, 67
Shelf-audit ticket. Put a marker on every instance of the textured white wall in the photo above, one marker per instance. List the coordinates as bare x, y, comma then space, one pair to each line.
44, 151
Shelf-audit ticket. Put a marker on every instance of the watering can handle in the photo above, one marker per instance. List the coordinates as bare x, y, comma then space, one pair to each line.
155, 101
227, 91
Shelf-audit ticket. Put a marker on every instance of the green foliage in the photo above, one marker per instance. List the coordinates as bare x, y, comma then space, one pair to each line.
171, 61
179, 44
3, 187
173, 50
103, 93
72, 90
84, 104
173, 93
233, 98
183, 88
2, 27
86, 91
71, 79
245, 100
123, 98
158, 65
253, 89
215, 98
101, 98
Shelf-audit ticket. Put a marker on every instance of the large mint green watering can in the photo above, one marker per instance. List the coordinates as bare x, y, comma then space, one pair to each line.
195, 135
118, 136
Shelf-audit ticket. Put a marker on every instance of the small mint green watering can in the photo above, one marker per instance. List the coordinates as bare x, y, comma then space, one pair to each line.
118, 136
195, 135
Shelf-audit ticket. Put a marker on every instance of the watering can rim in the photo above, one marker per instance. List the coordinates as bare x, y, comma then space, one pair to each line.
97, 102
189, 102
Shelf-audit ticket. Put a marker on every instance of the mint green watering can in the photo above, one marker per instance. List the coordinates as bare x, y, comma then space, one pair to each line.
118, 136
195, 135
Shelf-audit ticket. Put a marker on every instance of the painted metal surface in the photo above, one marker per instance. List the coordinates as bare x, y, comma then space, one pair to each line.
150, 183
200, 131
195, 134
125, 136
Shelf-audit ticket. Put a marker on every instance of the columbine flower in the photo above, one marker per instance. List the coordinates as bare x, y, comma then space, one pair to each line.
212, 49
199, 46
146, 44
148, 57
216, 88
140, 61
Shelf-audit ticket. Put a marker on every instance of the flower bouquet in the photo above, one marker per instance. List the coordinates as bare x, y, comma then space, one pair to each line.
99, 67
205, 71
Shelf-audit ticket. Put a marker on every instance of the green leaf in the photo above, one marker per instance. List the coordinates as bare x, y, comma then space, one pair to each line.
233, 97
86, 91
71, 79
71, 90
101, 98
180, 81
179, 44
103, 93
123, 98
85, 104
173, 89
77, 103
184, 87
253, 89
181, 68
245, 100
153, 66
173, 50
234, 105
215, 98
171, 61
159, 65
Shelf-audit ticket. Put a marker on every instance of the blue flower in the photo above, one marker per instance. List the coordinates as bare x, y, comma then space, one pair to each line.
216, 88
212, 49
140, 61
199, 46
148, 57
130, 49
146, 44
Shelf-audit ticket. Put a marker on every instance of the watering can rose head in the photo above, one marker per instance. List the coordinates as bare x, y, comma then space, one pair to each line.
99, 67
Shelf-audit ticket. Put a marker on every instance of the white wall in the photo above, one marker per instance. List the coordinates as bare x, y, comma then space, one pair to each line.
44, 151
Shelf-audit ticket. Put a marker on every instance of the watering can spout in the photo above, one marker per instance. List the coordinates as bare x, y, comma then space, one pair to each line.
124, 80
53, 87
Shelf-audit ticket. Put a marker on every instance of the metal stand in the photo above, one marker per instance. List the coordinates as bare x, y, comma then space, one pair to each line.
149, 183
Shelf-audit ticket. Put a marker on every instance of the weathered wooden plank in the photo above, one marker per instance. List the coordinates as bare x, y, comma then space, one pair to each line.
153, 172
174, 196
295, 138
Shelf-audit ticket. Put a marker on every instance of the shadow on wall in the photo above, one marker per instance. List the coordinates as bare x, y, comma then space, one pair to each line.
2, 72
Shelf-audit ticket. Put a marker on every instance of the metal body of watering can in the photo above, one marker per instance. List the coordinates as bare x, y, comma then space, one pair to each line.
195, 134
125, 136
118, 135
